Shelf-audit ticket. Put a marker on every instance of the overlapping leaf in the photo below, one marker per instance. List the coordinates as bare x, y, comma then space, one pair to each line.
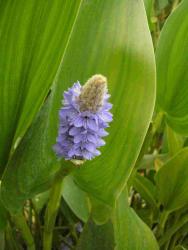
114, 40
33, 36
172, 74
120, 237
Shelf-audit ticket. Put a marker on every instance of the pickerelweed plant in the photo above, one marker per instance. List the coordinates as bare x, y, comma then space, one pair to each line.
138, 187
82, 122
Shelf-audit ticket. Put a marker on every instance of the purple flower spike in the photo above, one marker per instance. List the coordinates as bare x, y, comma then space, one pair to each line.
83, 118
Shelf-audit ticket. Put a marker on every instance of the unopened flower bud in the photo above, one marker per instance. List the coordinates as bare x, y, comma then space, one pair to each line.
92, 94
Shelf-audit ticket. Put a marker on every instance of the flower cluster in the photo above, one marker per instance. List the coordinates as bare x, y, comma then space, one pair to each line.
83, 119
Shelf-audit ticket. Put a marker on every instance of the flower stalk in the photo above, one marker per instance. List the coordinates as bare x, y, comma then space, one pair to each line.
53, 206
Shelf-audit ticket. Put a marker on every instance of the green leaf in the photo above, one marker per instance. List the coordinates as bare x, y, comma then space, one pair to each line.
96, 237
146, 189
105, 176
172, 74
33, 38
122, 50
29, 168
130, 231
76, 199
172, 182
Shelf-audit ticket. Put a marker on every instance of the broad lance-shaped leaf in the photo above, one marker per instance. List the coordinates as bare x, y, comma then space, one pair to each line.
33, 38
133, 105
172, 182
172, 74
114, 40
130, 231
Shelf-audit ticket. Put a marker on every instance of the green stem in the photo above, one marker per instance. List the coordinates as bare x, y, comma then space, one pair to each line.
21, 224
52, 208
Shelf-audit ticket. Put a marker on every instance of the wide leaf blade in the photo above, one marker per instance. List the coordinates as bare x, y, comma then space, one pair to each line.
172, 74
33, 38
